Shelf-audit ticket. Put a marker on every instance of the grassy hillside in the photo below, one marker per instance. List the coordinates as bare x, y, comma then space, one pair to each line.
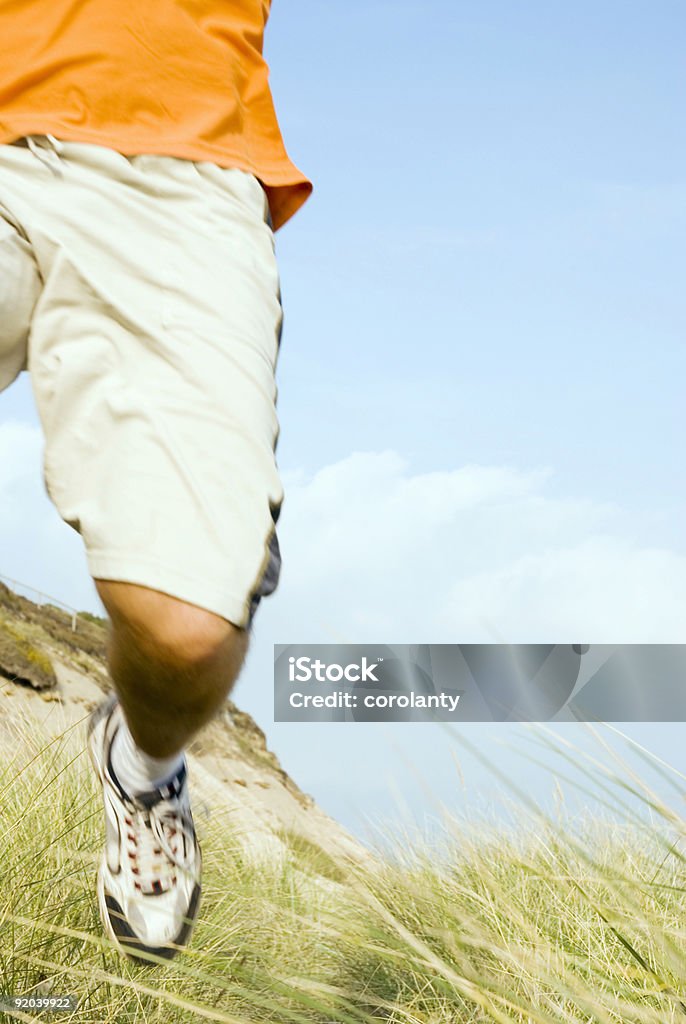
546, 923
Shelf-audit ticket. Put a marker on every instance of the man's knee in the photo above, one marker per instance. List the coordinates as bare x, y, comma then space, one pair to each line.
169, 630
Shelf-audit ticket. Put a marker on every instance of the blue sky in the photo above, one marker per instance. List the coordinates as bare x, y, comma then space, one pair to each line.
496, 240
481, 374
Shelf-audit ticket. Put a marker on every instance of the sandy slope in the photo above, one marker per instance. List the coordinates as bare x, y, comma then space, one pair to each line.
232, 772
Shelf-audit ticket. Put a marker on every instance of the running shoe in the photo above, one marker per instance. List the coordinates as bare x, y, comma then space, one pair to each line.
149, 877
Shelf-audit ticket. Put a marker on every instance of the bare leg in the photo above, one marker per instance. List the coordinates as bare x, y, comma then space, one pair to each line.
172, 664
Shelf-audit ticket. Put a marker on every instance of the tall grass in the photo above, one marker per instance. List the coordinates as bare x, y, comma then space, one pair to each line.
550, 921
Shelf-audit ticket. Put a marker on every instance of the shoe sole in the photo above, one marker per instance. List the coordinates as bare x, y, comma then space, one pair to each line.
136, 947
133, 949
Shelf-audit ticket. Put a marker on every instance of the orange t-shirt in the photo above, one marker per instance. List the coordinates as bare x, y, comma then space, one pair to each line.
184, 78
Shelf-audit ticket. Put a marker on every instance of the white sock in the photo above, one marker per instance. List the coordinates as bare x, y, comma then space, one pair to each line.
136, 770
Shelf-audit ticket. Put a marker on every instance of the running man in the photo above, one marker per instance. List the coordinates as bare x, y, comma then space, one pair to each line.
142, 176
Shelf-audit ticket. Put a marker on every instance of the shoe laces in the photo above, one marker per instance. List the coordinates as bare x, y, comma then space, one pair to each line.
160, 842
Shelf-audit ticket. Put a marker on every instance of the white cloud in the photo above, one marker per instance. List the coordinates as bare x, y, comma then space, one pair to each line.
36, 547
604, 589
20, 448
476, 554
375, 552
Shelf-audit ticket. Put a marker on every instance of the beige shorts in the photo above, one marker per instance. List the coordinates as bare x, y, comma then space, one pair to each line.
142, 295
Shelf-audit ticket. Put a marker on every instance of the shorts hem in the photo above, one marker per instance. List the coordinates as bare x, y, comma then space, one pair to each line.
170, 581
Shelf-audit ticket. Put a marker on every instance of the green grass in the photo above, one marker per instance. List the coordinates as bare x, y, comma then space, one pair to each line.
23, 655
546, 922
98, 620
